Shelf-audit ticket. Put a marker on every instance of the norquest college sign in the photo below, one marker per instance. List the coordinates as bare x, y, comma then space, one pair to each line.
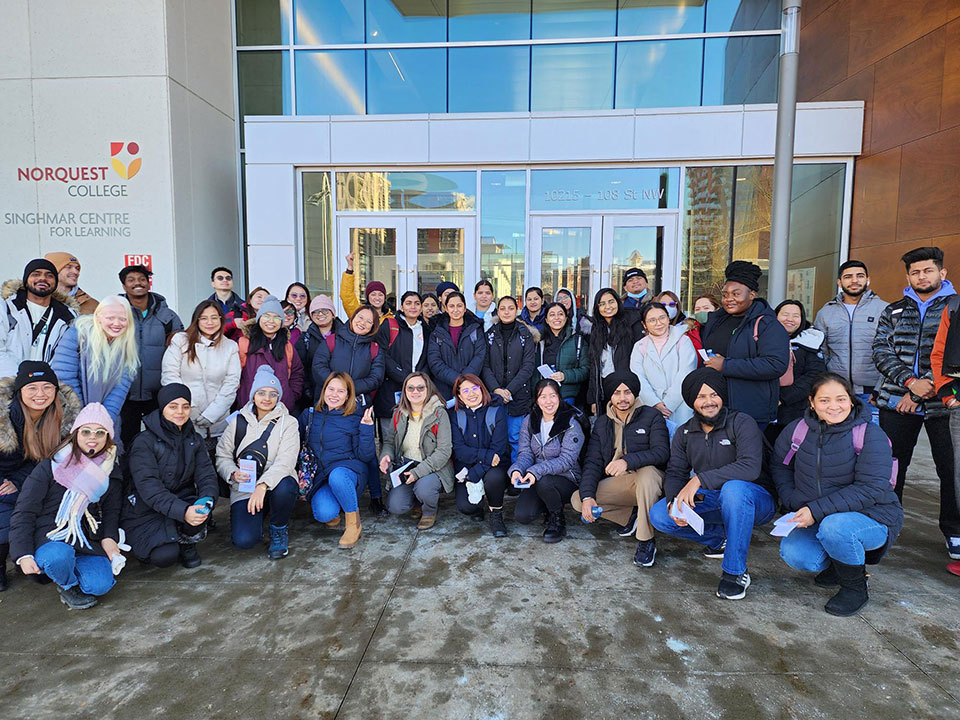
83, 181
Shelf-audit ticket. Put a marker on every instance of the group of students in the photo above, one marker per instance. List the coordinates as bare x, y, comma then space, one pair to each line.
635, 414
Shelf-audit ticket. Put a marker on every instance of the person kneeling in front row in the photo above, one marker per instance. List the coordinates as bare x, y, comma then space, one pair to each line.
264, 432
723, 449
838, 482
623, 471
66, 521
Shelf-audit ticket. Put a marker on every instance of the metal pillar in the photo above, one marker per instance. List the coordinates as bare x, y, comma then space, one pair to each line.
783, 157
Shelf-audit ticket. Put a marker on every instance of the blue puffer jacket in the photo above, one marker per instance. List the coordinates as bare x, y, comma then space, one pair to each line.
152, 332
753, 367
475, 447
339, 441
353, 355
827, 475
71, 367
447, 362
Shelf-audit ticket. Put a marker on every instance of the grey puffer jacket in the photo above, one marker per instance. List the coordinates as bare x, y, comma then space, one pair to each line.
848, 343
903, 340
152, 332
560, 454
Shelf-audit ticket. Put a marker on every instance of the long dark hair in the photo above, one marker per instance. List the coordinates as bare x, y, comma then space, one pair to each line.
75, 452
291, 286
536, 414
277, 346
548, 336
193, 330
618, 331
804, 323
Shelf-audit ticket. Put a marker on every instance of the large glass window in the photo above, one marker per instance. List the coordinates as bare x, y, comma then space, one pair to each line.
489, 79
378, 191
406, 81
572, 77
263, 22
330, 82
263, 77
322, 22
740, 70
439, 257
728, 218
659, 74
637, 246
318, 232
503, 224
485, 20
566, 260
604, 189
739, 15
396, 21
574, 18
659, 17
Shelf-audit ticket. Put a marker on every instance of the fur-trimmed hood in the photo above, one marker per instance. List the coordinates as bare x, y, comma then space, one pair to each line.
533, 331
14, 285
9, 439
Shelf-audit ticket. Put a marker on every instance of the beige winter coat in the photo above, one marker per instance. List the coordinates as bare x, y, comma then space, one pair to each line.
283, 447
213, 379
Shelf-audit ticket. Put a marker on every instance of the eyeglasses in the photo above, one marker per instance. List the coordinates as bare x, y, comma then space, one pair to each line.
322, 312
267, 394
290, 311
88, 433
299, 296
417, 388
223, 277
39, 388
469, 388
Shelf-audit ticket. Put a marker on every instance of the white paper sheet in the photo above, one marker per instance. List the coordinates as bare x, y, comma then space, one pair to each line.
688, 514
784, 525
395, 475
545, 370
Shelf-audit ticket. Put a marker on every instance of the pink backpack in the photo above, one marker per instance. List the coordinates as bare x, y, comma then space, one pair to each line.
859, 431
787, 378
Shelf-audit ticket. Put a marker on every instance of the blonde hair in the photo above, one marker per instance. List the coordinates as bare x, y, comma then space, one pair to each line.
103, 356
350, 404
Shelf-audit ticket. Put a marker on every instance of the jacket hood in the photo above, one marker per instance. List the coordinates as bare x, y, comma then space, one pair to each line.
247, 326
530, 328
946, 288
9, 442
612, 413
248, 412
153, 422
433, 408
572, 295
811, 338
867, 295
12, 286
561, 421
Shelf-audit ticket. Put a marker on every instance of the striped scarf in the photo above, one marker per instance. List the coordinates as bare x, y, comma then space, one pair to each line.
85, 480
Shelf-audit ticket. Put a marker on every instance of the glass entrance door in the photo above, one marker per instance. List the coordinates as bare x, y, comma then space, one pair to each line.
406, 253
587, 252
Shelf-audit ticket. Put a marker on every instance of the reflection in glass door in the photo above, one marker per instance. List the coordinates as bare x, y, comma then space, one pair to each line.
440, 249
374, 248
640, 241
562, 251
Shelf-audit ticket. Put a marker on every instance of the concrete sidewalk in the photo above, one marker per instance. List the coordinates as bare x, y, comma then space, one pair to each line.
450, 623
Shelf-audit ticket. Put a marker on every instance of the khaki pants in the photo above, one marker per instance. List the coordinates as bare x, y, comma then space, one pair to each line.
619, 495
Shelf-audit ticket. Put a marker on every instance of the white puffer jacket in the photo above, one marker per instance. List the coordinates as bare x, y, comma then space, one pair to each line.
661, 374
213, 379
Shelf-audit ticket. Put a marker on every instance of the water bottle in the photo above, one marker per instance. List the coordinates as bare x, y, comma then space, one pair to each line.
596, 511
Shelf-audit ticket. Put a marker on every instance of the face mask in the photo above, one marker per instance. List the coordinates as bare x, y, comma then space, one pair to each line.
701, 316
637, 296
671, 312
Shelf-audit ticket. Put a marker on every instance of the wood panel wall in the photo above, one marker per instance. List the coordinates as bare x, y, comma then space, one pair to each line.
902, 57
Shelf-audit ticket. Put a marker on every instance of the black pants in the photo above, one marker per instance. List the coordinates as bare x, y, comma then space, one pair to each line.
494, 486
903, 431
548, 494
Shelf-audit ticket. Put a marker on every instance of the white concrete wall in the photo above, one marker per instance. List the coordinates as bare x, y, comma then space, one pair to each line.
75, 77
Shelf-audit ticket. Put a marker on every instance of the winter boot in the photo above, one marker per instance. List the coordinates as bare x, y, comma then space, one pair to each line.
353, 530
553, 532
853, 590
828, 578
497, 526
278, 542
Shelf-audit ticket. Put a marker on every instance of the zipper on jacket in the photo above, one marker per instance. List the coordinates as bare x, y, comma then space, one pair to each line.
823, 426
850, 343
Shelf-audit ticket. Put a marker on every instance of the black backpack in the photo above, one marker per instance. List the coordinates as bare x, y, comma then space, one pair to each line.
257, 450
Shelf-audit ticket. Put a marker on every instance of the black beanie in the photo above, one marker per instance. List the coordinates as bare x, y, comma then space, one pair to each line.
745, 273
41, 264
31, 371
621, 377
692, 383
171, 392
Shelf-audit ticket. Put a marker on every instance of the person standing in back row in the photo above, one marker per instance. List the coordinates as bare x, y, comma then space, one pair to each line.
154, 322
908, 398
68, 273
747, 344
231, 304
849, 325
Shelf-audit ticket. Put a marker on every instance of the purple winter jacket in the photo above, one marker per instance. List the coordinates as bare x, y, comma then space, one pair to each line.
291, 383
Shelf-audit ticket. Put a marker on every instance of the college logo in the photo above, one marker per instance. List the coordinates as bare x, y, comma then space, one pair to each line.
125, 164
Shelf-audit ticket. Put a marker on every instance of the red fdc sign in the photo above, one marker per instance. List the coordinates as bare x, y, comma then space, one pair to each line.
145, 260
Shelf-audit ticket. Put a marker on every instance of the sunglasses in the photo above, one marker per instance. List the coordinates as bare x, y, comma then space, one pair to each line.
224, 277
469, 388
417, 388
88, 433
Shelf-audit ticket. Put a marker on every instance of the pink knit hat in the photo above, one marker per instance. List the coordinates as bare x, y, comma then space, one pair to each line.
322, 302
94, 414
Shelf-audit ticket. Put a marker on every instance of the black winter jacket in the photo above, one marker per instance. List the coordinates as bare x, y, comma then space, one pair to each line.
827, 476
645, 442
808, 364
152, 332
396, 361
36, 511
513, 366
447, 362
902, 340
171, 469
475, 447
731, 451
306, 348
352, 355
753, 367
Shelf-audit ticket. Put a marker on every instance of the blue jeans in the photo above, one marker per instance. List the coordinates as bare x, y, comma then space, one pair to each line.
844, 537
66, 568
730, 512
513, 434
339, 493
246, 529
373, 479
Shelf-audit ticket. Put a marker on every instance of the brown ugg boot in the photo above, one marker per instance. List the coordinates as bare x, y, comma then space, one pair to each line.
333, 524
353, 530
